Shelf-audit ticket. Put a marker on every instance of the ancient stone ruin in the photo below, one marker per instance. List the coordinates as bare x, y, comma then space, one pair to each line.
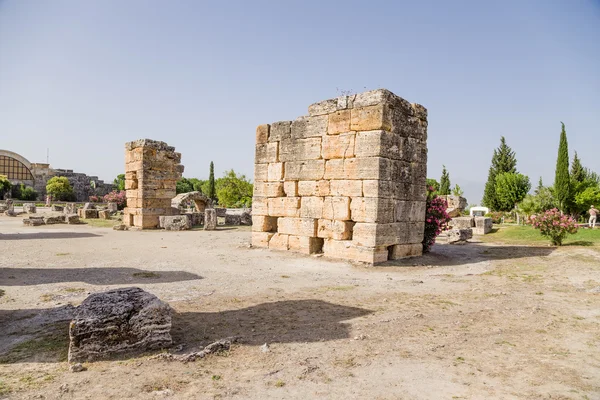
119, 321
152, 169
347, 180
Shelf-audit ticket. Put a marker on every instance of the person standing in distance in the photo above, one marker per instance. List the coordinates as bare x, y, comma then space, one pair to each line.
593, 216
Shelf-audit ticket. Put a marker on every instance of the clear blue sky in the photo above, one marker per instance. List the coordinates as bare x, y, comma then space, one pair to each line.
84, 77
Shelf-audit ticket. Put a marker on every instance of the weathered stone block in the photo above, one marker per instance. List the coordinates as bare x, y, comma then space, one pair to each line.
210, 219
338, 146
462, 222
275, 171
283, 207
346, 187
72, 219
290, 188
483, 225
104, 214
304, 244
400, 251
297, 226
346, 250
374, 234
312, 126
300, 149
313, 188
305, 170
373, 209
279, 242
459, 235
268, 189
87, 213
33, 221
59, 219
416, 232
261, 239
375, 168
127, 320
29, 208
267, 153
262, 133
332, 229
233, 219
339, 122
260, 206
280, 131
336, 208
261, 223
174, 222
410, 211
261, 172
311, 207
371, 118
56, 207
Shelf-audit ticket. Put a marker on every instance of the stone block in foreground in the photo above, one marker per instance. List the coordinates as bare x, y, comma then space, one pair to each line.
117, 322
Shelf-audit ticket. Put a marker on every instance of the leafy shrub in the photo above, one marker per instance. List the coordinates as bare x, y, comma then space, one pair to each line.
436, 218
60, 188
4, 186
28, 193
554, 225
116, 196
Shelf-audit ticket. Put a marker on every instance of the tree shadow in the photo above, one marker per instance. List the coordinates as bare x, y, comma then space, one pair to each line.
93, 276
42, 335
284, 321
451, 254
47, 235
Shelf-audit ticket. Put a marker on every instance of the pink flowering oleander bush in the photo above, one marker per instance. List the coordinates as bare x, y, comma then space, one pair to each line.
554, 225
436, 218
116, 196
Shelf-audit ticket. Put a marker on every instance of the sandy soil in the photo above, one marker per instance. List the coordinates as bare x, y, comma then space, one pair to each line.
477, 321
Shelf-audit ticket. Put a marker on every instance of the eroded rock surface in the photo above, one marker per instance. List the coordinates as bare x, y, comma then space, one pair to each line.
120, 321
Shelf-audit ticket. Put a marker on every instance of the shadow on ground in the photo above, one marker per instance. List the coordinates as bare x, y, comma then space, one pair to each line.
450, 254
46, 235
278, 322
42, 335
93, 276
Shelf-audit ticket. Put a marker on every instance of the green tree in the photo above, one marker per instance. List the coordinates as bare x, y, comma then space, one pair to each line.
511, 188
444, 182
184, 186
589, 197
212, 190
60, 188
434, 184
5, 186
457, 191
234, 190
577, 170
503, 160
119, 182
562, 184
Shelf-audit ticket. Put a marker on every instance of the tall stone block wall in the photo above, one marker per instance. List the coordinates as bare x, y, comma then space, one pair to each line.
347, 180
152, 169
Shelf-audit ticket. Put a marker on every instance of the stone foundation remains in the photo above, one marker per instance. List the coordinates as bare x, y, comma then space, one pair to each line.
347, 180
152, 169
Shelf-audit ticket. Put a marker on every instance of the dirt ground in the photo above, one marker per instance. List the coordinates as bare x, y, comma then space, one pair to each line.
477, 321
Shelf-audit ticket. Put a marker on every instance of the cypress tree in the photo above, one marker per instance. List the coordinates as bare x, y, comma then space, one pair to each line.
562, 184
211, 182
444, 182
577, 170
503, 160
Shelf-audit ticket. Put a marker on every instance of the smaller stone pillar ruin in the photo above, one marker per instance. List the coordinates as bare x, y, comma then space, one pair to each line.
152, 169
348, 180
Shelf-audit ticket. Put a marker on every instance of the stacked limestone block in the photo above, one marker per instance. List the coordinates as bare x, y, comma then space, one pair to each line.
347, 180
152, 169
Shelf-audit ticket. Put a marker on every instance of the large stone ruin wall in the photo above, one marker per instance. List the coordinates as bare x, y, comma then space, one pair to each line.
347, 180
152, 169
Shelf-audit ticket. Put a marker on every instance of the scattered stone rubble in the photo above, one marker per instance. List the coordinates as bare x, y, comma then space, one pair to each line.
119, 321
347, 180
456, 205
